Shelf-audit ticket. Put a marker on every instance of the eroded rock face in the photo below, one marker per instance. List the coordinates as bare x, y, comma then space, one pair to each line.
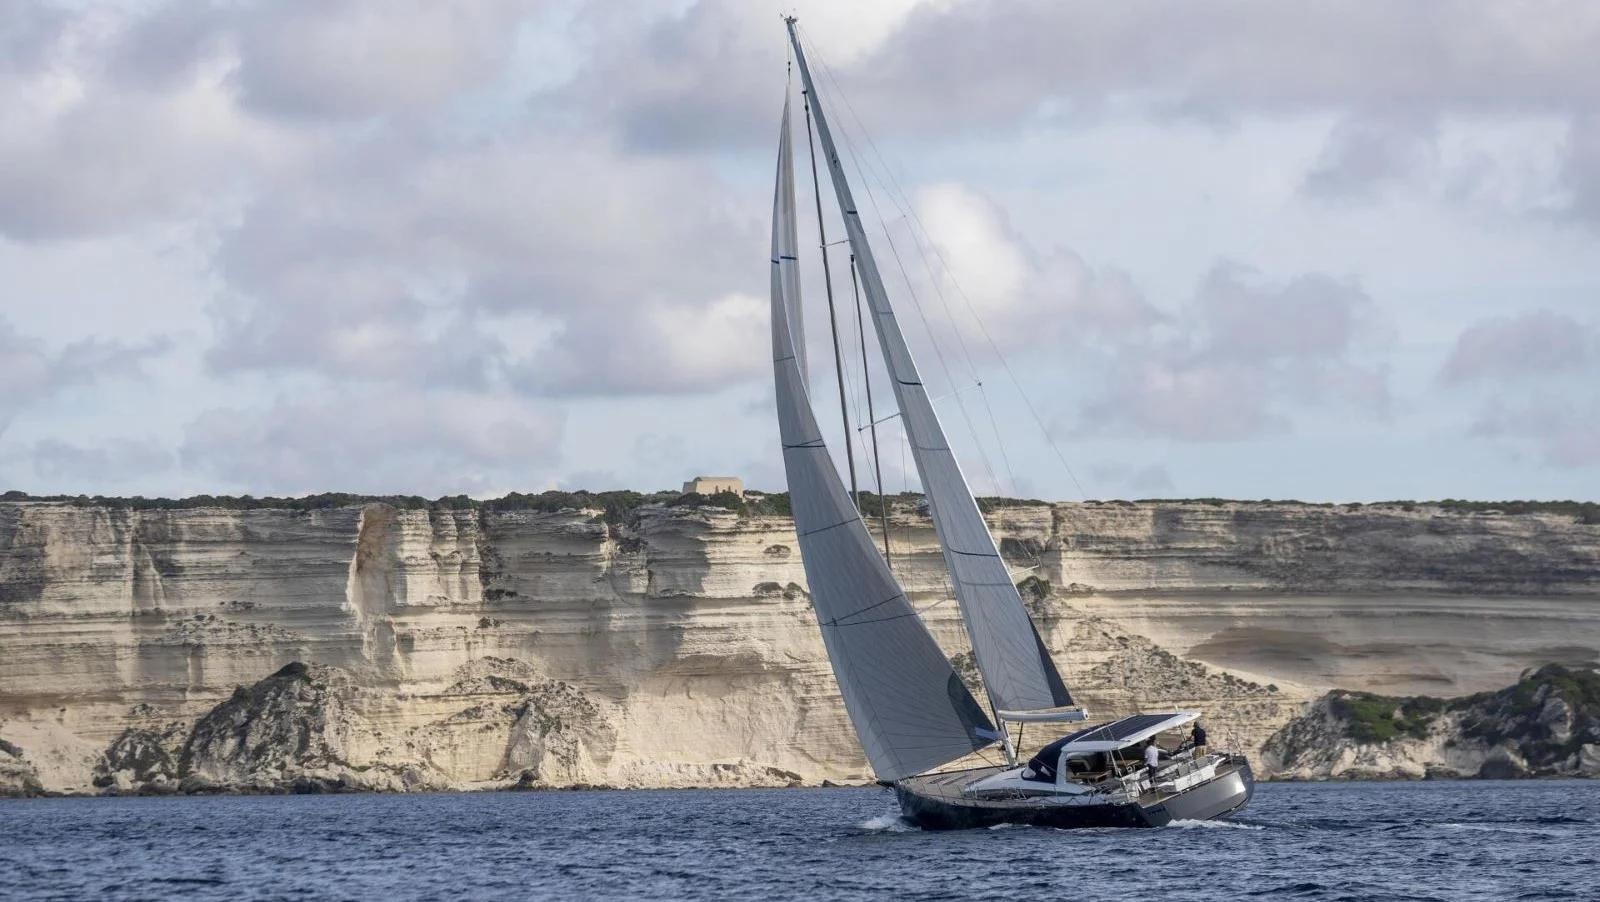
17, 776
293, 721
677, 646
1545, 725
145, 759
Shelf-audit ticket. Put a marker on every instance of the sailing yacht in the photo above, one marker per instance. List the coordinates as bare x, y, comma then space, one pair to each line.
914, 716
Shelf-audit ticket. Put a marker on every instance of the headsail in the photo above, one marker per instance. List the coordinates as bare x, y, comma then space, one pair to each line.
910, 710
1016, 665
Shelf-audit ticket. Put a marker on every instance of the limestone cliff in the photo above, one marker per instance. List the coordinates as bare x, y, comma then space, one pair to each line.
1548, 724
375, 646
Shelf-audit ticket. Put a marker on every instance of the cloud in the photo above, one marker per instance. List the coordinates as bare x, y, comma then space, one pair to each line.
704, 77
323, 60
116, 460
1366, 154
362, 440
554, 263
87, 153
658, 349
1022, 296
1227, 365
30, 373
1392, 75
1221, 58
1537, 343
1565, 433
1239, 355
345, 59
1581, 168
1532, 377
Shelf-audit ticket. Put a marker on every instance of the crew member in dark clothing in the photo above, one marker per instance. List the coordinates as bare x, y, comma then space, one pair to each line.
1197, 740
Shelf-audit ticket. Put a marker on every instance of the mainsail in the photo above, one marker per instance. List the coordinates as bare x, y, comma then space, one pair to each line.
1016, 666
910, 709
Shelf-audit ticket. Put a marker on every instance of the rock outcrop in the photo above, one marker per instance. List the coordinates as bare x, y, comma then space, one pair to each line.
382, 647
17, 776
1548, 724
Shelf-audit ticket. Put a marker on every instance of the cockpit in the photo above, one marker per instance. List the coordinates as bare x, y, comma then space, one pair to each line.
1107, 750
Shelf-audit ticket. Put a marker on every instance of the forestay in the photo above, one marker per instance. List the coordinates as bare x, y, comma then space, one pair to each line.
910, 710
1016, 667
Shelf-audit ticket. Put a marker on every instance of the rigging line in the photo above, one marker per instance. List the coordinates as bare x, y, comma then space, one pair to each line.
872, 419
960, 405
993, 345
994, 426
833, 320
914, 612
944, 397
933, 340
972, 367
858, 159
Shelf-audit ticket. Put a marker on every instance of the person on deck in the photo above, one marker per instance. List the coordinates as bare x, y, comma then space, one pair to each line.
1152, 758
1197, 740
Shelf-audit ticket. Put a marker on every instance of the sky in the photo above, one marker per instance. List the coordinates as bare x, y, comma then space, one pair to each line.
1330, 251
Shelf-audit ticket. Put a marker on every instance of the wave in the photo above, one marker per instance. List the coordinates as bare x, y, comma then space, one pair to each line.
1214, 825
886, 823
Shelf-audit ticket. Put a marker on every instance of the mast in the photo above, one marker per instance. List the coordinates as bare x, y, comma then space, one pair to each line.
1019, 676
872, 417
833, 320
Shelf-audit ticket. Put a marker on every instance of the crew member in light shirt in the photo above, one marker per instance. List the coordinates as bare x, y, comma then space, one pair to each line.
1152, 757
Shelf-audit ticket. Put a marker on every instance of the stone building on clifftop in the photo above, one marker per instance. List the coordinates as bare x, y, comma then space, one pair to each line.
710, 485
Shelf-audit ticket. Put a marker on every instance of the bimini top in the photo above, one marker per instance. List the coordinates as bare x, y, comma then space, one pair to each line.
1110, 737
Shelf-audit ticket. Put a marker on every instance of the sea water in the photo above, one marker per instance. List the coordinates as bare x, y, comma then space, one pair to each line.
1349, 841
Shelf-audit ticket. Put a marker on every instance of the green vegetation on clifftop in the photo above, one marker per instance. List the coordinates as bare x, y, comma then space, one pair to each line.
619, 502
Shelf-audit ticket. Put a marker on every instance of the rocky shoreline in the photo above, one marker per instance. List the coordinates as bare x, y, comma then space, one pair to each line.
1546, 725
284, 735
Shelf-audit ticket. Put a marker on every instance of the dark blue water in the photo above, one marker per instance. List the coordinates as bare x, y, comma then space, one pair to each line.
1438, 841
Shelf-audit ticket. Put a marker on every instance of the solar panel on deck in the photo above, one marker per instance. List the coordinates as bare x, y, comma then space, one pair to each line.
1044, 761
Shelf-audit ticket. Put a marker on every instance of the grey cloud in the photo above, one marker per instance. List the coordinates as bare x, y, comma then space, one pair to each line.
377, 442
1581, 168
324, 60
1565, 434
1535, 375
116, 460
110, 161
88, 151
1366, 154
31, 373
345, 59
706, 77
349, 272
1223, 57
656, 351
986, 272
694, 79
1310, 316
702, 79
1539, 343
1391, 71
163, 47
30, 35
1239, 355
